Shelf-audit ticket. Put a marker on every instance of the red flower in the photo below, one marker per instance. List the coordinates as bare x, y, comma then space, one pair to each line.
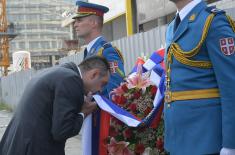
127, 133
137, 95
119, 100
153, 90
133, 107
106, 140
159, 144
123, 100
118, 122
147, 111
118, 148
113, 119
139, 148
112, 132
124, 88
142, 129
116, 98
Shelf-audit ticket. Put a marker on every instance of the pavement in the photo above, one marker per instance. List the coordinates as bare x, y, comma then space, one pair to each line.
73, 145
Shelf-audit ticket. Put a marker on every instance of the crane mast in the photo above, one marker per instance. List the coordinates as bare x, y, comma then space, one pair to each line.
4, 42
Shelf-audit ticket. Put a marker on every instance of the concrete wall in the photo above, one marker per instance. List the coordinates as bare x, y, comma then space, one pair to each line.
13, 86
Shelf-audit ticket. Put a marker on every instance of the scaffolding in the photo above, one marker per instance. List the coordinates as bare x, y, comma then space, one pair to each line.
38, 25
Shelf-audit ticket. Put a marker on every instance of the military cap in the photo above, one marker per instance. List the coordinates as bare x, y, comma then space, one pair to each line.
86, 9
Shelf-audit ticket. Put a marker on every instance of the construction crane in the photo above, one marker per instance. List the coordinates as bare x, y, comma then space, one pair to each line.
4, 42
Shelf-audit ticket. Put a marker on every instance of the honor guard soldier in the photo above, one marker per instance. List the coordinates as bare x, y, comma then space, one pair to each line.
88, 26
200, 64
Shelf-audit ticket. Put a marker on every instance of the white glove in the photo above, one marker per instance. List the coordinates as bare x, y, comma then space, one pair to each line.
227, 151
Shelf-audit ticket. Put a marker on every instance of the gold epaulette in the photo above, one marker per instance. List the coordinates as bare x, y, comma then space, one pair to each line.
183, 56
119, 53
231, 22
119, 71
101, 50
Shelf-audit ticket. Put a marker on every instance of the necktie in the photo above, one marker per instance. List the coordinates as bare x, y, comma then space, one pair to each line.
85, 53
177, 22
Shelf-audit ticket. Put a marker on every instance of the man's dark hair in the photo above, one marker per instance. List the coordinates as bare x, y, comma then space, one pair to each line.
95, 62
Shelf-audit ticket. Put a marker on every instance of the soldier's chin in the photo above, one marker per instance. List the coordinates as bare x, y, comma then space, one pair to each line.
80, 35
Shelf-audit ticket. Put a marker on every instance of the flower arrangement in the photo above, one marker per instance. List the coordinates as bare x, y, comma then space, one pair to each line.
136, 96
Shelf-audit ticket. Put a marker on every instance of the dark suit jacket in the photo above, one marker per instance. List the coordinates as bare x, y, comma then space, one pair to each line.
47, 114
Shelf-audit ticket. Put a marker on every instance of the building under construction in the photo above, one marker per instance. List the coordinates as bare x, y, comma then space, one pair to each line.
38, 25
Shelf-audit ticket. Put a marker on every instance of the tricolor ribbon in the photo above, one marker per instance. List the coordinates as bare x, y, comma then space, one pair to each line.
155, 58
157, 76
155, 65
138, 63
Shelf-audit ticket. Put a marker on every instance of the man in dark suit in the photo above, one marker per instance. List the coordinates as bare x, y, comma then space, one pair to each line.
52, 108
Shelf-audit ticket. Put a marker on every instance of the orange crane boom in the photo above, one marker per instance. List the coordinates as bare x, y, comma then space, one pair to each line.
4, 42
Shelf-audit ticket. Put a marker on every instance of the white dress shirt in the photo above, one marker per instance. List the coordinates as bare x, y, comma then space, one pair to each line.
187, 8
89, 46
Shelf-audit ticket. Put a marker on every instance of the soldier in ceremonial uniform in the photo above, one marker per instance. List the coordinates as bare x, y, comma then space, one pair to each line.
88, 25
199, 100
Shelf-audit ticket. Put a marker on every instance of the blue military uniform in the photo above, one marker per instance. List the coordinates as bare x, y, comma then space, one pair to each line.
200, 103
115, 59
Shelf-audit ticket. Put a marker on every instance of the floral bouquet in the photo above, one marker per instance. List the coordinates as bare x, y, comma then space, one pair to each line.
136, 95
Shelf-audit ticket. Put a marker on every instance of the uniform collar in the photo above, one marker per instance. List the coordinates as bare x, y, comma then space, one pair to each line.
187, 8
89, 46
189, 18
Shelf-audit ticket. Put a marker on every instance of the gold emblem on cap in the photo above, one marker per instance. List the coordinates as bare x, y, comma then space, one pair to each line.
192, 17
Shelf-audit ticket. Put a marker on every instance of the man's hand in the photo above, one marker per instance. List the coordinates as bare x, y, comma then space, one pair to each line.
89, 106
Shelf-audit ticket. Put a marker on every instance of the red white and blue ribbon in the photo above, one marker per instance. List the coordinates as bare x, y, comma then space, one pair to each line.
155, 58
157, 76
138, 63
